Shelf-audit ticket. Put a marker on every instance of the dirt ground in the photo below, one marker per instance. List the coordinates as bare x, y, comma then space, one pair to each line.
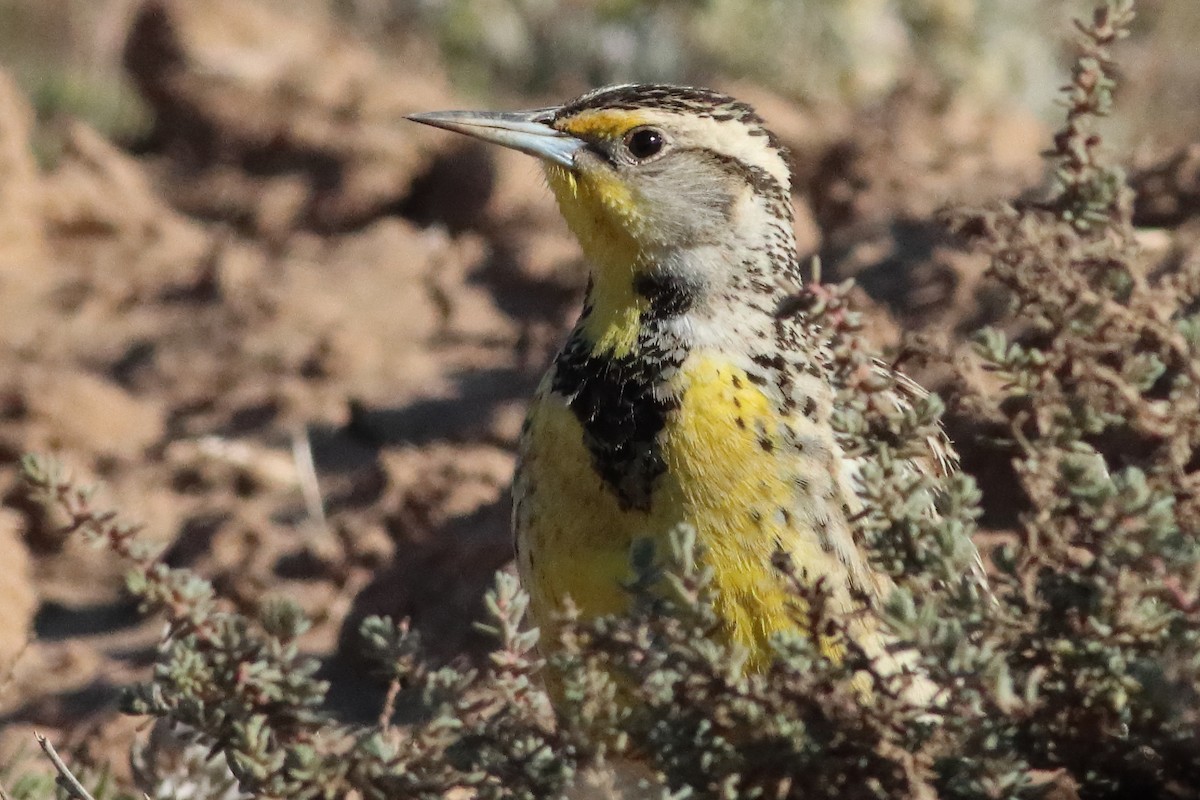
283, 273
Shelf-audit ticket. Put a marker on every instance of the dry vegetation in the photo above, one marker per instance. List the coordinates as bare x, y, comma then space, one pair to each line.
292, 338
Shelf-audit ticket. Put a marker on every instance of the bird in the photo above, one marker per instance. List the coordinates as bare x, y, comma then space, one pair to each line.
689, 391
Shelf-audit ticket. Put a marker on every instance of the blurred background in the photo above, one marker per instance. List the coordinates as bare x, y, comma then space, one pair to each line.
68, 55
293, 335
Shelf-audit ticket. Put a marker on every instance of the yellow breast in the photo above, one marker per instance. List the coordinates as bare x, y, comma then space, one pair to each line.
750, 479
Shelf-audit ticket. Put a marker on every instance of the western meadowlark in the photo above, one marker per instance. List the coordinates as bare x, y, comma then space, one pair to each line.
684, 394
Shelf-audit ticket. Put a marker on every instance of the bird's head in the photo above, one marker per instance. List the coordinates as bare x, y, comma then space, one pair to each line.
665, 166
677, 184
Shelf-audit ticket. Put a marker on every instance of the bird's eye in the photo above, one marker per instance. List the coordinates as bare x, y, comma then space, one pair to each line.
643, 143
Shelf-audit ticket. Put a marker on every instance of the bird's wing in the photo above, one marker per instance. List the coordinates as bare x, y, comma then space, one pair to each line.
942, 456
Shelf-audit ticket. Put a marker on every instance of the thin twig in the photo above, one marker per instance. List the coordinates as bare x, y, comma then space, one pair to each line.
306, 474
389, 706
66, 778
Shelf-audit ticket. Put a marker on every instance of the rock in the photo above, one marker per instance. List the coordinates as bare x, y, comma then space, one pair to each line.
280, 94
84, 413
21, 240
19, 598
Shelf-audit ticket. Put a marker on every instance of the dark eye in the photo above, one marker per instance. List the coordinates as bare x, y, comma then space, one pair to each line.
643, 143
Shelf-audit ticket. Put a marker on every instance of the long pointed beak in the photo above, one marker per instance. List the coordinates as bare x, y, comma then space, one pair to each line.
520, 130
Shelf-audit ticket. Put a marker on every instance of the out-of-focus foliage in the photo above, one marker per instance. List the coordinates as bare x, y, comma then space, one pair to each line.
852, 50
67, 56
